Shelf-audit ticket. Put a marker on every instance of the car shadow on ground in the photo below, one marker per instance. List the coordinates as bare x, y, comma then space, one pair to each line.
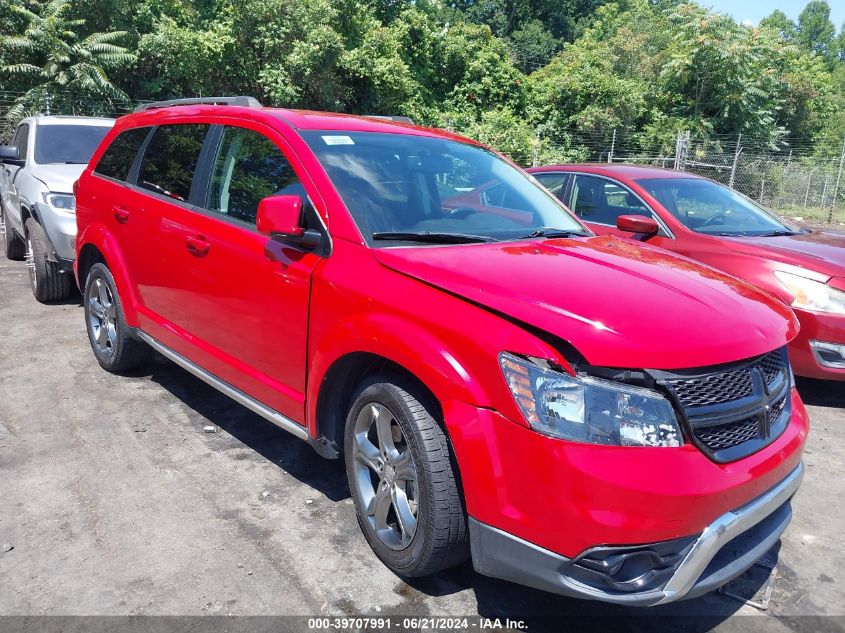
540, 611
821, 393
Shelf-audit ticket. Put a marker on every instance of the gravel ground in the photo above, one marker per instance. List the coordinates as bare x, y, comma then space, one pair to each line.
116, 502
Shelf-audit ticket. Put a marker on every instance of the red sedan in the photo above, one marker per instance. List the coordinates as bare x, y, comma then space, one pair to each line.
713, 224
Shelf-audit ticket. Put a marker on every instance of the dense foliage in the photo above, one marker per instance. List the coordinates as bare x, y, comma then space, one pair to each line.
524, 75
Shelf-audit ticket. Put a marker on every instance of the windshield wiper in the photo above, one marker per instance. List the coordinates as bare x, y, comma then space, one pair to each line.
544, 232
432, 238
773, 234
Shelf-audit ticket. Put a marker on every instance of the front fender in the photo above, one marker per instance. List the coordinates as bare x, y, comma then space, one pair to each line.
99, 236
452, 372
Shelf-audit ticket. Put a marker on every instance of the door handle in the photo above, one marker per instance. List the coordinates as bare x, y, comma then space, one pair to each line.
121, 214
197, 245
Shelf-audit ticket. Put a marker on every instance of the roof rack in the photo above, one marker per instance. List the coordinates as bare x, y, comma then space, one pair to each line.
247, 102
385, 117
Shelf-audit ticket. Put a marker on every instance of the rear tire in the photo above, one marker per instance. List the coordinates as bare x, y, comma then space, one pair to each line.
402, 478
13, 245
111, 339
48, 281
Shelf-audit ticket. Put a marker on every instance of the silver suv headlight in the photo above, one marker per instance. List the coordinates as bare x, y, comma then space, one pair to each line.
589, 410
63, 201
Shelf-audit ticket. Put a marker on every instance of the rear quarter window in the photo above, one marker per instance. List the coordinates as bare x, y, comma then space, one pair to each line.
117, 160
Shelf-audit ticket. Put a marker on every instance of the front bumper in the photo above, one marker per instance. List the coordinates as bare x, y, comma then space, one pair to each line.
685, 567
806, 354
60, 227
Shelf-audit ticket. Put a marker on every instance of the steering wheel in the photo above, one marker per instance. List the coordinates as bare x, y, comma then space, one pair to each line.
712, 218
461, 212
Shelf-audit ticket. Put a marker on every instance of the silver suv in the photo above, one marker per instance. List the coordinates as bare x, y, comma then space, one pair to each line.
38, 170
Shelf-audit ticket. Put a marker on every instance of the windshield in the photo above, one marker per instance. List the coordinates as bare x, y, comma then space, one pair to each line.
400, 187
708, 207
67, 143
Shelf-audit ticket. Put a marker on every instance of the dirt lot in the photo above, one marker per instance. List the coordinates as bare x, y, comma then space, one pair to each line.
117, 502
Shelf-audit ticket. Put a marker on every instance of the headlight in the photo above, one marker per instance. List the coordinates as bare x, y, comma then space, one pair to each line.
812, 295
63, 201
590, 410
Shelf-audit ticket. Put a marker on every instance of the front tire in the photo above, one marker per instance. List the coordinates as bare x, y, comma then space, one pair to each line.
46, 278
13, 245
111, 339
402, 479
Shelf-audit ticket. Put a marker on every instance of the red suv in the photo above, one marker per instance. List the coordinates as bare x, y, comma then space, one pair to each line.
581, 414
713, 224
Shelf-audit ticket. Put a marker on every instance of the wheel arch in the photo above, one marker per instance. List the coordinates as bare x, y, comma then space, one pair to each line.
99, 245
337, 389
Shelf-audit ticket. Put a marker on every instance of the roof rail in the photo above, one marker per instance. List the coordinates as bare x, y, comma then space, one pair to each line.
247, 102
385, 117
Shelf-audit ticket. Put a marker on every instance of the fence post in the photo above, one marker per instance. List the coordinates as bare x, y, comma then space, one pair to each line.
535, 153
47, 102
838, 179
736, 159
807, 194
681, 150
824, 191
612, 147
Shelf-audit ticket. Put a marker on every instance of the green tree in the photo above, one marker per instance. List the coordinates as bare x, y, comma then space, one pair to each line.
815, 30
780, 23
51, 57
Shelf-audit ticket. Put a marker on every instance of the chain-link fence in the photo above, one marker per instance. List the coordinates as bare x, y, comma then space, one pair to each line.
788, 176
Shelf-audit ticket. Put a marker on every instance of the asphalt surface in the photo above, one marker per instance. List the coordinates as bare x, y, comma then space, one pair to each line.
115, 501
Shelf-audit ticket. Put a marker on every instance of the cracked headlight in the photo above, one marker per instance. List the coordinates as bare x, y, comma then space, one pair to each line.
63, 201
809, 294
589, 410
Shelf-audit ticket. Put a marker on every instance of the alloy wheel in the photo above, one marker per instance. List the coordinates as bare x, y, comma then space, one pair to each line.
385, 476
102, 317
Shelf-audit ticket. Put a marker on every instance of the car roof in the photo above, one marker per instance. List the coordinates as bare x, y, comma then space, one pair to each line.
621, 171
301, 120
70, 120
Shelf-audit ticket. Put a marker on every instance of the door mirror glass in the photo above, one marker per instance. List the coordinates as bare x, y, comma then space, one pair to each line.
9, 153
637, 224
280, 215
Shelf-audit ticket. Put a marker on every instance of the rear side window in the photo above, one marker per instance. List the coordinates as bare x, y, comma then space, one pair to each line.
247, 168
171, 158
117, 160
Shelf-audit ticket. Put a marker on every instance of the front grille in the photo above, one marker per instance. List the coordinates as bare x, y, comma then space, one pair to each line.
728, 435
713, 389
776, 409
772, 364
735, 409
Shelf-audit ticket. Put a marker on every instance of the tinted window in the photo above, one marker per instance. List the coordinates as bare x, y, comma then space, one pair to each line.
404, 183
117, 160
248, 168
602, 201
69, 144
22, 141
171, 159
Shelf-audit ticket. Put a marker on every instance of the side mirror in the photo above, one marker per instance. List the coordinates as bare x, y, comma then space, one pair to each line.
9, 154
637, 224
280, 216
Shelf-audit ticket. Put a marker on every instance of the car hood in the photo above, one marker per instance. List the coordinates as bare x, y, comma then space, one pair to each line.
820, 250
619, 303
58, 178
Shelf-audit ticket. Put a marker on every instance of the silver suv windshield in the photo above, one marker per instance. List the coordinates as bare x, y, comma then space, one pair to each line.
400, 187
708, 207
67, 144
